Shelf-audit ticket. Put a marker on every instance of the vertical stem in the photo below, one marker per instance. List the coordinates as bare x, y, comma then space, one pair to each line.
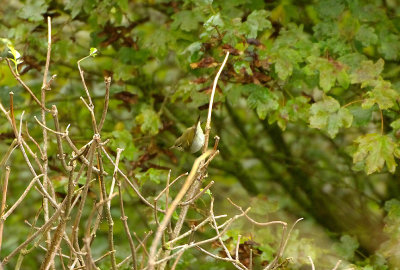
108, 213
45, 140
123, 216
210, 106
3, 201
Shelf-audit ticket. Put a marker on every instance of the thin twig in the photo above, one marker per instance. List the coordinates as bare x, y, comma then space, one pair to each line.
237, 248
49, 129
7, 155
61, 154
191, 231
208, 123
311, 262
110, 221
337, 264
3, 201
18, 78
133, 186
256, 222
174, 204
106, 101
42, 230
33, 140
12, 115
198, 195
381, 121
124, 218
20, 199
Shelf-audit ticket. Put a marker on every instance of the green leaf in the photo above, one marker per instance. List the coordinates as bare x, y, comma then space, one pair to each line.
329, 72
262, 99
74, 6
149, 120
32, 10
367, 72
347, 247
376, 150
393, 208
389, 45
257, 21
382, 94
362, 116
285, 62
212, 22
327, 115
242, 65
295, 109
366, 35
123, 139
395, 124
93, 52
343, 78
153, 175
186, 20
329, 8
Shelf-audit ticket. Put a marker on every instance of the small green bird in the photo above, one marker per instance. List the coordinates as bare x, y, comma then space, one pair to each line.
192, 139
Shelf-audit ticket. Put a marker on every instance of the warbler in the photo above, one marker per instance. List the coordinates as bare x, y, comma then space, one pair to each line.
192, 139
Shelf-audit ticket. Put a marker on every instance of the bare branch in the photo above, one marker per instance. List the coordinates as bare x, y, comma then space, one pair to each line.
174, 204
106, 100
311, 262
198, 195
208, 123
337, 264
4, 186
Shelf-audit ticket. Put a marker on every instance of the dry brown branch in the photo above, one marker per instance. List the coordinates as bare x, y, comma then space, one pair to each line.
133, 186
25, 251
192, 230
74, 234
110, 221
18, 78
61, 154
4, 186
208, 123
33, 140
124, 218
284, 241
107, 80
311, 262
42, 230
236, 263
194, 188
198, 195
174, 204
46, 181
142, 244
256, 222
19, 200
7, 155
12, 116
337, 265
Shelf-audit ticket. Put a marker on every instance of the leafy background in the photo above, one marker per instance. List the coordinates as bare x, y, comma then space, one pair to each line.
307, 110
